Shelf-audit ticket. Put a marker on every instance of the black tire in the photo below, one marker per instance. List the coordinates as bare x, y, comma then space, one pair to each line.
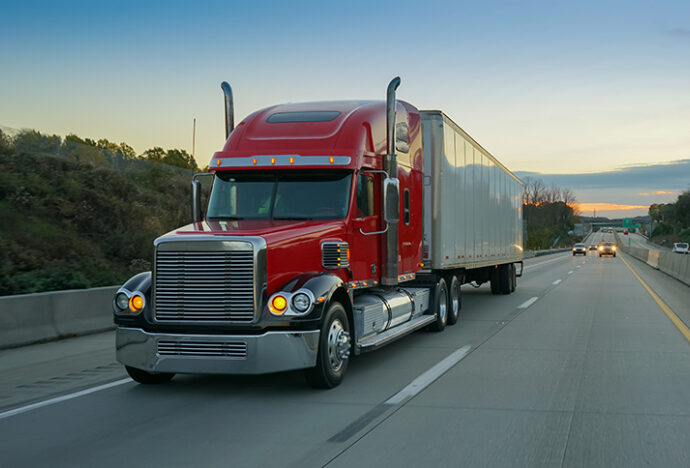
440, 306
513, 278
614, 255
574, 254
334, 349
147, 378
504, 278
494, 280
454, 300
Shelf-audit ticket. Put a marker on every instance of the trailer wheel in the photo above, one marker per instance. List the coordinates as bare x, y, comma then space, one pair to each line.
504, 278
513, 278
334, 349
148, 378
495, 280
440, 306
454, 300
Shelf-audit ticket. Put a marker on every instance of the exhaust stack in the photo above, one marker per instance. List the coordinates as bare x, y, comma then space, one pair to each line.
391, 194
229, 109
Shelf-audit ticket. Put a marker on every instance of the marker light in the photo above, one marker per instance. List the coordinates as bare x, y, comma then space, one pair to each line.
136, 303
292, 160
332, 160
254, 161
218, 162
273, 160
278, 305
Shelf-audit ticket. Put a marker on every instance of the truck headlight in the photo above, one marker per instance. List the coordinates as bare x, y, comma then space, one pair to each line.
122, 301
301, 302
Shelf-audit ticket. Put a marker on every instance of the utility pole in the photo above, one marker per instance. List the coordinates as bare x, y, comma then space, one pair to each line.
194, 138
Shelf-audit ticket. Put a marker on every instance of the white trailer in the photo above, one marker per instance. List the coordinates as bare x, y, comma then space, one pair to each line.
472, 207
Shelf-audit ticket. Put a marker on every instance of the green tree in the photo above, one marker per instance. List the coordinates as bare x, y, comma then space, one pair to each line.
180, 158
33, 142
155, 154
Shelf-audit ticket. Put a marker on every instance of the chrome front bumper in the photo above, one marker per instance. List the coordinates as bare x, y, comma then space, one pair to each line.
274, 351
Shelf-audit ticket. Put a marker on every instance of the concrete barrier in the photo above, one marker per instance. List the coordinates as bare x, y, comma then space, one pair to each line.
31, 318
673, 264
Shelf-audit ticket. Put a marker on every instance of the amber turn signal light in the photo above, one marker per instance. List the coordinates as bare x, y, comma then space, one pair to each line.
278, 305
136, 303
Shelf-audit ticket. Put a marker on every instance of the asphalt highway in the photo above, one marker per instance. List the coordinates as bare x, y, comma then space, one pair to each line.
581, 366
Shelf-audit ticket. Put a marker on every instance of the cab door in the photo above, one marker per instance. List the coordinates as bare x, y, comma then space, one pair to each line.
365, 254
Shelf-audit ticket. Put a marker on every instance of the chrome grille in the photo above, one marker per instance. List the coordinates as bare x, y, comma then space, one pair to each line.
334, 255
233, 349
204, 286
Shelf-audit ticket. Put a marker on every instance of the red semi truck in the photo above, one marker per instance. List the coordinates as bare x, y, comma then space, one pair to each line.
331, 229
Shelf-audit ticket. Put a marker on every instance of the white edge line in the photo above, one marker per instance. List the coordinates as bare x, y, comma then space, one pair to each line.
556, 282
70, 396
528, 302
428, 377
570, 272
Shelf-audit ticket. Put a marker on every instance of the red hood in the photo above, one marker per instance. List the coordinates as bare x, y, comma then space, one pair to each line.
293, 247
270, 230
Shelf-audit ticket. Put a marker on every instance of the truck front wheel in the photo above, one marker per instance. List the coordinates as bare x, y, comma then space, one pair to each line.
148, 378
334, 349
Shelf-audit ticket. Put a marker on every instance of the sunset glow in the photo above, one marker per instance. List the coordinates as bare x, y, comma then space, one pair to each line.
607, 207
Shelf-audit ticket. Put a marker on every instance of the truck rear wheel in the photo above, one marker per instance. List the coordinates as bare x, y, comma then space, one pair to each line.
513, 278
148, 378
454, 300
440, 306
334, 349
495, 280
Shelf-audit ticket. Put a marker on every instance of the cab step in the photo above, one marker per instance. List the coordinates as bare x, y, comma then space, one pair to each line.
382, 339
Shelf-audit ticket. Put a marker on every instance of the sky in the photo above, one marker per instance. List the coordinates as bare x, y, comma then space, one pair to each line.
559, 90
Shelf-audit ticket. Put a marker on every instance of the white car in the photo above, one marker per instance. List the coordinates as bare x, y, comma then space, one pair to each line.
680, 247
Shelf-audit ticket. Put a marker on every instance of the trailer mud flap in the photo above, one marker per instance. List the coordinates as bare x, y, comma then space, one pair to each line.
522, 268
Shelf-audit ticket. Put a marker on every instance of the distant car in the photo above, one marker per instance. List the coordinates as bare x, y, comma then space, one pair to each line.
579, 249
681, 247
607, 248
592, 247
625, 232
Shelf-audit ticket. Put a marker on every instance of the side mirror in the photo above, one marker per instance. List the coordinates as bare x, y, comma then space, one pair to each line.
391, 200
197, 215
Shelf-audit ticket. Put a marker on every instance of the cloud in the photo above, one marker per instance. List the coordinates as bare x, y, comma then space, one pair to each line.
674, 176
682, 32
644, 194
663, 192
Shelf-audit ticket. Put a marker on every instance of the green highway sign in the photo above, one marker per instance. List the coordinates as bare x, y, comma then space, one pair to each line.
627, 222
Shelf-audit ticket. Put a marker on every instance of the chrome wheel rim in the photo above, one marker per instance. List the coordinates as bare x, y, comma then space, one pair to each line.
455, 303
338, 345
443, 305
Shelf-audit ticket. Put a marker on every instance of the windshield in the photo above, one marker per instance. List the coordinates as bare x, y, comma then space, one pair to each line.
280, 196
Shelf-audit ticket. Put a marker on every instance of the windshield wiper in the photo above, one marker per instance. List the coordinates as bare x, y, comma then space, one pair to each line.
225, 218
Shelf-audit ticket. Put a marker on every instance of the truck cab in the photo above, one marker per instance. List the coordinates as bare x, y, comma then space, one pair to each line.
309, 249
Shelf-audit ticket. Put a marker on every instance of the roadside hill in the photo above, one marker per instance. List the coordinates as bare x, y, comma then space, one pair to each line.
68, 222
